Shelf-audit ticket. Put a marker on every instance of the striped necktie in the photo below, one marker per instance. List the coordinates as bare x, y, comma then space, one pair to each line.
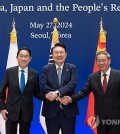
59, 75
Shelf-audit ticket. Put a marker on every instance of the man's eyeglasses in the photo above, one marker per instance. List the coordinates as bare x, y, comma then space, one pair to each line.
102, 61
24, 56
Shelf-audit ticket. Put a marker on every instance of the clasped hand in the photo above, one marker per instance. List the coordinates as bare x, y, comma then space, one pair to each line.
51, 96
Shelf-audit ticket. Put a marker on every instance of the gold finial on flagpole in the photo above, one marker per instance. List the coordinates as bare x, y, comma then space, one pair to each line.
55, 32
55, 21
102, 32
13, 37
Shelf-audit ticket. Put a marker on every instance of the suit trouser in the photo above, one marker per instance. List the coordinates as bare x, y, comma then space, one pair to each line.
11, 126
107, 128
113, 129
60, 121
103, 129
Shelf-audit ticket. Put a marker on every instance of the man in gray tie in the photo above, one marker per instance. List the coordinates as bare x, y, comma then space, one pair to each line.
57, 80
22, 83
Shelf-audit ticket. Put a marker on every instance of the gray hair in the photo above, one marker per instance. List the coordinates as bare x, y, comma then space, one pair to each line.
104, 53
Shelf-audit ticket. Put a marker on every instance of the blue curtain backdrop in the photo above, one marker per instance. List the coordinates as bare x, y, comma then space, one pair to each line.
81, 38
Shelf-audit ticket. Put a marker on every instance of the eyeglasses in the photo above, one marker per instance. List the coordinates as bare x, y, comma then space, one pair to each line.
24, 56
102, 61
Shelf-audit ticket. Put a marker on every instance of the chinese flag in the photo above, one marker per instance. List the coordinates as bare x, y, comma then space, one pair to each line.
90, 112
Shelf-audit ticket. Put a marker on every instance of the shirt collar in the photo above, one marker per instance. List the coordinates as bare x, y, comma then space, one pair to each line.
107, 73
25, 69
59, 66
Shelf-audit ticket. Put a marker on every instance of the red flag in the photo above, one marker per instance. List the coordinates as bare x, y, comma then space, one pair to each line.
90, 117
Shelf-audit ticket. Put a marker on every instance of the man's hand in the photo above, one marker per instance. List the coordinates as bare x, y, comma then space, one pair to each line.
65, 100
4, 112
51, 96
68, 99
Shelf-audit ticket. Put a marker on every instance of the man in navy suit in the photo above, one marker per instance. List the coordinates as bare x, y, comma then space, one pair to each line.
58, 116
19, 104
105, 85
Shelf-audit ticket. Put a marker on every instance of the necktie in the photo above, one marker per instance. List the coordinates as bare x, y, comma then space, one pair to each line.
59, 78
22, 81
104, 83
59, 75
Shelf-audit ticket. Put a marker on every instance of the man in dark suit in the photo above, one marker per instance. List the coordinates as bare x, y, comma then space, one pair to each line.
21, 89
57, 84
105, 85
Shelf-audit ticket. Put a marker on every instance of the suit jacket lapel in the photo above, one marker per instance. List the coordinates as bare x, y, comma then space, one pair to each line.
54, 75
98, 80
27, 83
110, 81
64, 73
17, 78
30, 77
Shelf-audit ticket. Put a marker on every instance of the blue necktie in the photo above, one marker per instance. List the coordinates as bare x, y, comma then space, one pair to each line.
22, 81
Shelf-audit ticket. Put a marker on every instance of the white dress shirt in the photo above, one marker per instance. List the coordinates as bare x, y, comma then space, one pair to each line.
25, 73
107, 75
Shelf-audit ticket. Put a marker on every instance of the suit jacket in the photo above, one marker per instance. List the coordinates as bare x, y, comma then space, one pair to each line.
108, 103
16, 100
49, 82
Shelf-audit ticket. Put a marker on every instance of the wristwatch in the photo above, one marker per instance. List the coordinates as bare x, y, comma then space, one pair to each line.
57, 92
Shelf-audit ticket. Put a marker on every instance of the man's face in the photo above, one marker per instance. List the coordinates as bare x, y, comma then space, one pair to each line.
59, 55
23, 58
103, 62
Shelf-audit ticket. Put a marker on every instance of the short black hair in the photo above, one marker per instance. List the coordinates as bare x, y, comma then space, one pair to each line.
24, 48
59, 45
103, 52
